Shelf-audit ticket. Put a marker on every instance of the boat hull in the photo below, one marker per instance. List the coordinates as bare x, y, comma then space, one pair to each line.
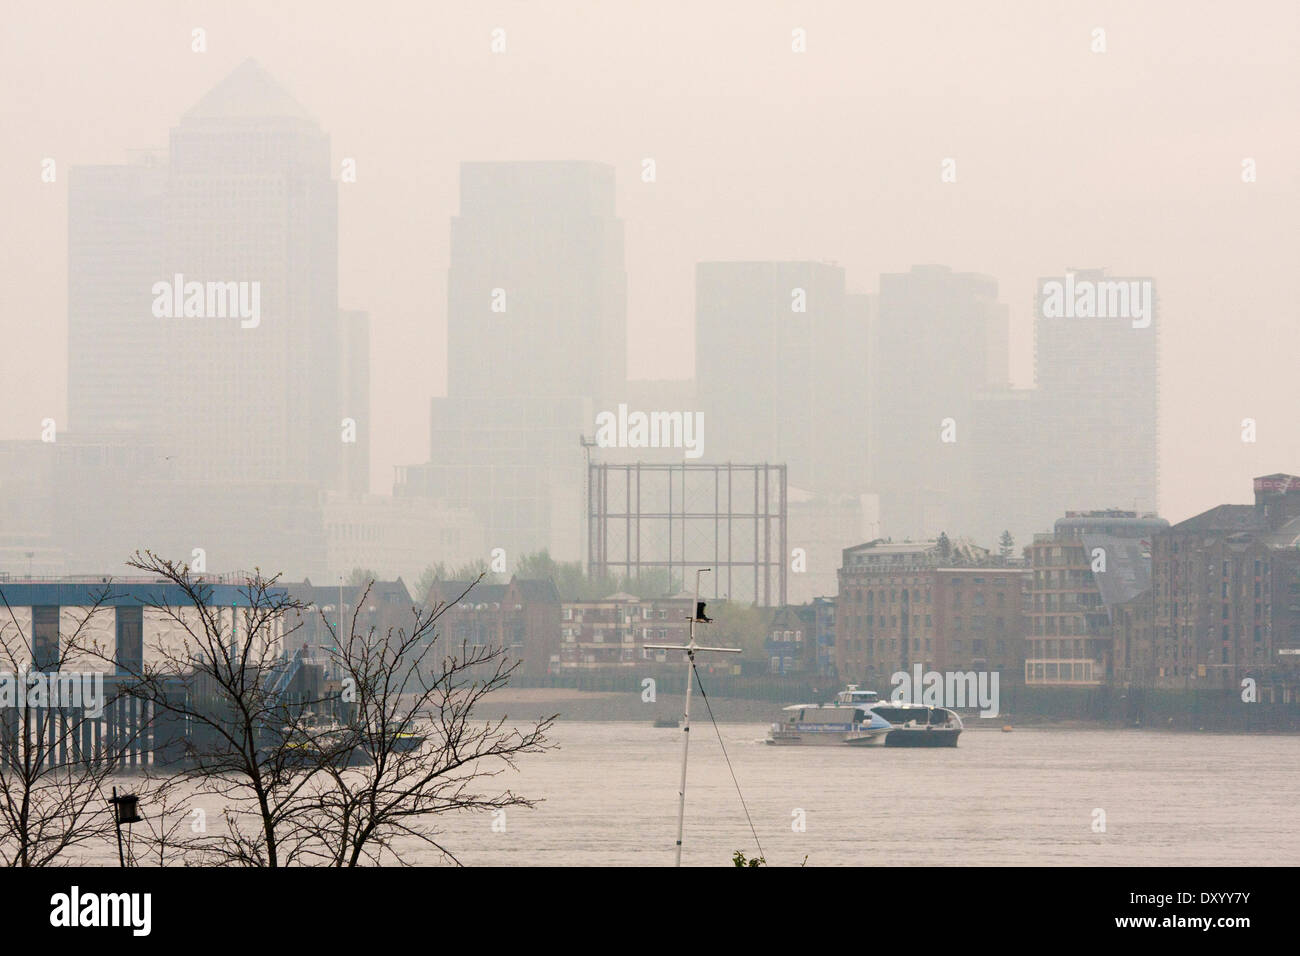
923, 737
811, 739
825, 739
867, 740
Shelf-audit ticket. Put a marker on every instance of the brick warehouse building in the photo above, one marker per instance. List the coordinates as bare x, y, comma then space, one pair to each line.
522, 616
388, 604
1224, 603
945, 607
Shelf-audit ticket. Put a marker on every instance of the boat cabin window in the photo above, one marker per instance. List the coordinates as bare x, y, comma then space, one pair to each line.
901, 715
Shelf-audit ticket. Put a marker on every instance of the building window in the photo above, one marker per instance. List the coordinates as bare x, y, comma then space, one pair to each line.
130, 640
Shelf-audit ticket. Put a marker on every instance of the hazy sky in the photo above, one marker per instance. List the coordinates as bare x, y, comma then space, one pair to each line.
1128, 159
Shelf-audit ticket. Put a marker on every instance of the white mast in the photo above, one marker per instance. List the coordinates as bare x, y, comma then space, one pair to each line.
697, 615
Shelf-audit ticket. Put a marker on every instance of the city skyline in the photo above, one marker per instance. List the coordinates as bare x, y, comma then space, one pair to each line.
576, 434
843, 389
1201, 417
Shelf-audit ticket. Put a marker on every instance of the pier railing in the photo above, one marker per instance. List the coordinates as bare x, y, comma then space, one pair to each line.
119, 731
127, 729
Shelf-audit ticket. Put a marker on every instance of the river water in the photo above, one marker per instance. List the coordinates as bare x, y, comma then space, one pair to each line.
1032, 796
1026, 797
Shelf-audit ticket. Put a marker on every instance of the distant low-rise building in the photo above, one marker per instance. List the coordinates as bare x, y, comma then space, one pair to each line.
523, 617
801, 638
1224, 602
823, 616
791, 645
614, 629
380, 605
945, 606
1092, 562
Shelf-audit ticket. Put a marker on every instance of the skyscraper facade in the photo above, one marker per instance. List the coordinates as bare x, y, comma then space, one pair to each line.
536, 348
206, 347
781, 368
115, 345
940, 341
250, 200
1094, 417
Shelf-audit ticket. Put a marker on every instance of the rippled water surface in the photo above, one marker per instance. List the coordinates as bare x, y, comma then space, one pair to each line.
1025, 797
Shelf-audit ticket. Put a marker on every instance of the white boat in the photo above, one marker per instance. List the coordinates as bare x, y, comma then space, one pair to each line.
858, 718
849, 721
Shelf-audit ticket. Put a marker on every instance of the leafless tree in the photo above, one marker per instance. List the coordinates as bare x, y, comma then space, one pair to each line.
212, 677
55, 758
410, 705
388, 746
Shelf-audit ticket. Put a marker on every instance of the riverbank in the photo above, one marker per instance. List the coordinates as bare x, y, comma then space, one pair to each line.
571, 704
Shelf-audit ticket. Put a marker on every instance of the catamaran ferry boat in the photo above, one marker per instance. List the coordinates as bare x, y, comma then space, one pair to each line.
858, 718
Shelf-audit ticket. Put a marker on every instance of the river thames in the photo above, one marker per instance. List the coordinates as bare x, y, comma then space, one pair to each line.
1029, 797
1032, 796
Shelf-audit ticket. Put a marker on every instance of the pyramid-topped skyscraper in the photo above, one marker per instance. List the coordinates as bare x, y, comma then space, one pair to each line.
204, 326
249, 94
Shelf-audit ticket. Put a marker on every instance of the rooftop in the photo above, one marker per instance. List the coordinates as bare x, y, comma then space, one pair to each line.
247, 92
